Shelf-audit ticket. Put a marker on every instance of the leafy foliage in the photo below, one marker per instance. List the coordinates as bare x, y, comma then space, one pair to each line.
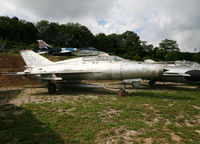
167, 46
17, 30
127, 45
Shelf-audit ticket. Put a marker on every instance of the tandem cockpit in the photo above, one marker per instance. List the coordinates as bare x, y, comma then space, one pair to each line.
104, 58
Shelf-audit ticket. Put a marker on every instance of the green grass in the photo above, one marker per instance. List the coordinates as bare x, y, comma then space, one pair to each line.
164, 116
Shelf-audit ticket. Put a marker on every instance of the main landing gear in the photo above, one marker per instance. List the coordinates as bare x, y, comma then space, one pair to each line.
122, 91
51, 87
152, 82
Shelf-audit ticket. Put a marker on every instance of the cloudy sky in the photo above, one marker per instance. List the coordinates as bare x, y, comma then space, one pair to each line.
152, 20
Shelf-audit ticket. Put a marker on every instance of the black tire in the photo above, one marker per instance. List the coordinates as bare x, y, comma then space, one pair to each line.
151, 82
51, 88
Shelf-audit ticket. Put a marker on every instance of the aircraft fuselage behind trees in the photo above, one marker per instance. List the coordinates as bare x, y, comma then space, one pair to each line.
87, 51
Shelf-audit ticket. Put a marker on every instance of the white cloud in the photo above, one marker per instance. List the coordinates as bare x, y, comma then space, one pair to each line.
153, 20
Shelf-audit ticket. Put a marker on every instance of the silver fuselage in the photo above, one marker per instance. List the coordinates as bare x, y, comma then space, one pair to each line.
100, 68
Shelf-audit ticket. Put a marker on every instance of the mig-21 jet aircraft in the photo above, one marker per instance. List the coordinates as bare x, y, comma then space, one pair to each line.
87, 68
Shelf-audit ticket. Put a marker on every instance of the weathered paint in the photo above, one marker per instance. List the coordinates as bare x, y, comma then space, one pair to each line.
91, 68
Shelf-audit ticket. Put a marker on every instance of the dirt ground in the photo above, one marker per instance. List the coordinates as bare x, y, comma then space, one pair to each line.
19, 95
12, 63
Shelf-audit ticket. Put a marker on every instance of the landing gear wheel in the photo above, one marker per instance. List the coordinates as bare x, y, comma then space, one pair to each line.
151, 82
51, 88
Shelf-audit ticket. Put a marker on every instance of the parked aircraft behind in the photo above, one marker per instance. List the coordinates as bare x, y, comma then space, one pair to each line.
45, 48
88, 51
180, 71
87, 68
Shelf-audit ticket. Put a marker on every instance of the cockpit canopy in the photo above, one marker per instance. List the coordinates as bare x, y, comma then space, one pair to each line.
89, 48
103, 58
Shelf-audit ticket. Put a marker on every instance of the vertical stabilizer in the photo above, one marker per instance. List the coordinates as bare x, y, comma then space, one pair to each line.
43, 45
33, 59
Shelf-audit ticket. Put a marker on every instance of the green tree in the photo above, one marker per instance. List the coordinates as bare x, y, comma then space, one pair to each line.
76, 35
130, 44
113, 43
147, 50
167, 46
42, 27
30, 32
17, 30
52, 33
5, 27
196, 57
101, 42
172, 56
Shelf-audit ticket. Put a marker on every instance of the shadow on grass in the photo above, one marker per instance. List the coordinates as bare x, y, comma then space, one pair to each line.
171, 87
18, 125
79, 91
159, 86
7, 95
177, 87
75, 91
160, 95
113, 90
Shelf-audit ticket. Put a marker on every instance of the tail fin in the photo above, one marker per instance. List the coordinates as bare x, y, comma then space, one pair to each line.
33, 59
43, 45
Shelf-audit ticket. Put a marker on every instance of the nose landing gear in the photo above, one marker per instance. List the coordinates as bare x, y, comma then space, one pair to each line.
152, 82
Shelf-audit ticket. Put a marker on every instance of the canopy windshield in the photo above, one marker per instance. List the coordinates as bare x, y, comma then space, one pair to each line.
103, 58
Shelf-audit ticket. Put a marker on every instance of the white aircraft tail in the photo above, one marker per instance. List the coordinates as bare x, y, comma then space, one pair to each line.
43, 45
33, 59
